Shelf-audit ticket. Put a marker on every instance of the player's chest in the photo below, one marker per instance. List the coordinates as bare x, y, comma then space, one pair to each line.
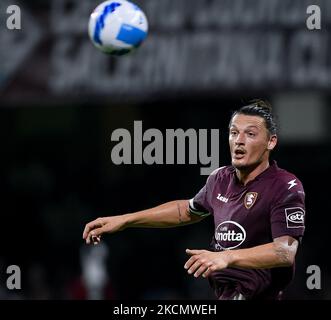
247, 203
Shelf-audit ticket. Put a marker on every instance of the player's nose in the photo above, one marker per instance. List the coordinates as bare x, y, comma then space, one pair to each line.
240, 139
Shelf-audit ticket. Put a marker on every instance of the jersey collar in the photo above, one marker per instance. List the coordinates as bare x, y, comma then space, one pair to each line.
269, 172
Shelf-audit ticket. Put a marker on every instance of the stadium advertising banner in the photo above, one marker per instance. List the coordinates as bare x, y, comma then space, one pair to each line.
209, 46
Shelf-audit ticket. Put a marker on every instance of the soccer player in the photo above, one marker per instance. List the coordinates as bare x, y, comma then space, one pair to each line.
258, 211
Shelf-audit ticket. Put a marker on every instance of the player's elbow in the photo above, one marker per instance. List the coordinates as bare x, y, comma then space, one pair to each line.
286, 252
285, 257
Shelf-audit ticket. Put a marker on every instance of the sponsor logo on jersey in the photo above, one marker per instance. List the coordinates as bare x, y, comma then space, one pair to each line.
229, 235
295, 217
223, 199
250, 199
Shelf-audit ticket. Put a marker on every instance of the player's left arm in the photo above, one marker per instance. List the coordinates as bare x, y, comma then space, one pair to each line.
279, 253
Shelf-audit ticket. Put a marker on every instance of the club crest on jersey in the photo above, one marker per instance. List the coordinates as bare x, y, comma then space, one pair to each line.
250, 199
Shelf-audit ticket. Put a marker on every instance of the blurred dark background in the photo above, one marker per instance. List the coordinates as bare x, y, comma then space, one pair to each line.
60, 101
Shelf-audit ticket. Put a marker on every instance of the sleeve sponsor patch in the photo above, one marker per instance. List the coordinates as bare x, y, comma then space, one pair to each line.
295, 217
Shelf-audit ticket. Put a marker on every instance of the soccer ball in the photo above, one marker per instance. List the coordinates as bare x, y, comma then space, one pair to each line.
117, 27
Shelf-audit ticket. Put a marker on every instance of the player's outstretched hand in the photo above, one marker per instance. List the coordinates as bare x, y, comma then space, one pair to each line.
203, 262
94, 229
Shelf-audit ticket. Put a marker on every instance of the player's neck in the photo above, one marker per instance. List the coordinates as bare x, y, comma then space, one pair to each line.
246, 175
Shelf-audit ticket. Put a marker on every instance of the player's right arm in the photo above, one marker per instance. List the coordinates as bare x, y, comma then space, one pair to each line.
170, 214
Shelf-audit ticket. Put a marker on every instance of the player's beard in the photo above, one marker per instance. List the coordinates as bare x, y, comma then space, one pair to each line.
249, 167
246, 167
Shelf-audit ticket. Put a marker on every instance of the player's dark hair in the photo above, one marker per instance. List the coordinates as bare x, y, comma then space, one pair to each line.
261, 109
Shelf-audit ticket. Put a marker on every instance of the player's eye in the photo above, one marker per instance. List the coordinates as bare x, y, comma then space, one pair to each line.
233, 133
251, 134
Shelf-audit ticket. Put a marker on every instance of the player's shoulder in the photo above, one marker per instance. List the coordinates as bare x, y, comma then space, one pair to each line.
287, 188
222, 171
219, 173
286, 180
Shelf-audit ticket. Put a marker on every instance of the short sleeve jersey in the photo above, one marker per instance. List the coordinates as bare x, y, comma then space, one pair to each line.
270, 206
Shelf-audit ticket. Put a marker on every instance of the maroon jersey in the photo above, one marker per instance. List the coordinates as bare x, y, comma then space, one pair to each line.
270, 206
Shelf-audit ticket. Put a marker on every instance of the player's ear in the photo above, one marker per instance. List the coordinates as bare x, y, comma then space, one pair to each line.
272, 142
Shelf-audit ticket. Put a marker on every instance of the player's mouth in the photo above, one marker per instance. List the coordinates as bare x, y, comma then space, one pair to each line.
239, 154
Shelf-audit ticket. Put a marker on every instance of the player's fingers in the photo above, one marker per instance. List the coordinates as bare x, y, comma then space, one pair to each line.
193, 252
202, 269
195, 266
97, 232
94, 234
210, 269
190, 262
96, 240
90, 226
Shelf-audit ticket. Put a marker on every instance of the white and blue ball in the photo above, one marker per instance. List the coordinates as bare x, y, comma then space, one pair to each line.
117, 27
